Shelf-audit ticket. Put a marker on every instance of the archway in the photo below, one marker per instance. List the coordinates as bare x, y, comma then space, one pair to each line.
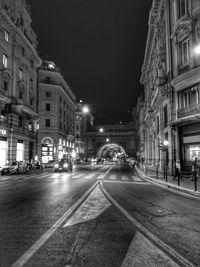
112, 152
47, 149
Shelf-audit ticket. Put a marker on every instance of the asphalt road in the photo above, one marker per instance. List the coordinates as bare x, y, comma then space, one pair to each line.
92, 217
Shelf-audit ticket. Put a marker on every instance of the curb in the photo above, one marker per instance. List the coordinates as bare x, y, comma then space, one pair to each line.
168, 185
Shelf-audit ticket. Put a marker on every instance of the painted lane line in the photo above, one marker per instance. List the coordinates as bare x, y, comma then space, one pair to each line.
100, 177
113, 177
89, 176
33, 249
159, 243
76, 176
125, 182
135, 178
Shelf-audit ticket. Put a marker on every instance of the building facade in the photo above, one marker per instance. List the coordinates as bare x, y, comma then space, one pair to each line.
83, 123
18, 80
56, 109
171, 77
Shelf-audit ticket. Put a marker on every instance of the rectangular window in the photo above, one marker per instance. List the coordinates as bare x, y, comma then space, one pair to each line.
47, 124
48, 94
185, 52
20, 74
48, 107
20, 95
6, 35
5, 85
158, 125
165, 116
20, 122
5, 61
31, 84
182, 8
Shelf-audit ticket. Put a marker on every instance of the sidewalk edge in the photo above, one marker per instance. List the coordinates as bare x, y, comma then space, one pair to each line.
168, 185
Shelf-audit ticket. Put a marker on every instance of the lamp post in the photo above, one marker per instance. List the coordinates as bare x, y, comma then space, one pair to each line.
165, 157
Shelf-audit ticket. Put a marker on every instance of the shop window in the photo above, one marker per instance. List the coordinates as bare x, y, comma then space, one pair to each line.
5, 61
3, 151
47, 123
20, 150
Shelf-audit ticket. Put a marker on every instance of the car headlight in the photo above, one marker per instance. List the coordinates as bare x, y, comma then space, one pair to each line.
56, 165
65, 165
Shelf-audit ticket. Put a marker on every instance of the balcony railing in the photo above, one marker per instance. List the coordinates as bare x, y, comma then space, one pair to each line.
187, 111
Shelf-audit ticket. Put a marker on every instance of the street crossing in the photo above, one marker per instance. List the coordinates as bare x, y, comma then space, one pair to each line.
72, 175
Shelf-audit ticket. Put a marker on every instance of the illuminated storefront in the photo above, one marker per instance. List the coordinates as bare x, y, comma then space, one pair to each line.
3, 147
47, 149
190, 144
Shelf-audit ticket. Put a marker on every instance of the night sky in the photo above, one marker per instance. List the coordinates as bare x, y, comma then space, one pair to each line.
99, 46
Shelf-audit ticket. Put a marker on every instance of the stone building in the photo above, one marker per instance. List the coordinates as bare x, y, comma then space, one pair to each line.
83, 123
171, 76
56, 109
18, 81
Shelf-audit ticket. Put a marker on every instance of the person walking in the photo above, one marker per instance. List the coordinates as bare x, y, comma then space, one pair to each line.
178, 170
194, 170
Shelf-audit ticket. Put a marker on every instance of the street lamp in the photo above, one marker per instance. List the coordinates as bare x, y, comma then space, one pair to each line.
107, 139
165, 158
85, 109
101, 130
197, 49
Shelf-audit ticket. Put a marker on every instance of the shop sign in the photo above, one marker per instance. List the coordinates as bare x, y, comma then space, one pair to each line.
2, 131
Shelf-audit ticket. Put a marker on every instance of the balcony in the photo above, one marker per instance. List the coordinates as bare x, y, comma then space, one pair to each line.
187, 111
183, 68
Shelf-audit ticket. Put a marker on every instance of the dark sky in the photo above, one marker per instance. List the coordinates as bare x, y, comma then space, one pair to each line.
99, 46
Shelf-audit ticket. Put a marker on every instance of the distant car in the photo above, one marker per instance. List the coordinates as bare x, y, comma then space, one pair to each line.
50, 164
78, 161
14, 167
93, 161
63, 165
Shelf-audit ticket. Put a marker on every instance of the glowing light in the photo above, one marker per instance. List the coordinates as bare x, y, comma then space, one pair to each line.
165, 143
197, 50
101, 130
85, 109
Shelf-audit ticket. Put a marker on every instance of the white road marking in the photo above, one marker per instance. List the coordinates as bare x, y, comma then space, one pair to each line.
37, 245
135, 178
157, 242
32, 250
124, 178
113, 177
100, 177
89, 176
93, 206
76, 176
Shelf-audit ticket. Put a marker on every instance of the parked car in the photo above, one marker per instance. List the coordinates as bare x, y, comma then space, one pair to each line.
78, 161
14, 167
63, 165
50, 164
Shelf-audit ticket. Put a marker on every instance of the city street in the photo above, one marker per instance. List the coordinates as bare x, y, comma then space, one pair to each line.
92, 217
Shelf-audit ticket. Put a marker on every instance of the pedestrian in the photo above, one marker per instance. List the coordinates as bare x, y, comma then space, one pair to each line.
178, 170
194, 170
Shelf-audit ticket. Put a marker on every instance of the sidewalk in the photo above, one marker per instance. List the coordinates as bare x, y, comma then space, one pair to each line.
186, 185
